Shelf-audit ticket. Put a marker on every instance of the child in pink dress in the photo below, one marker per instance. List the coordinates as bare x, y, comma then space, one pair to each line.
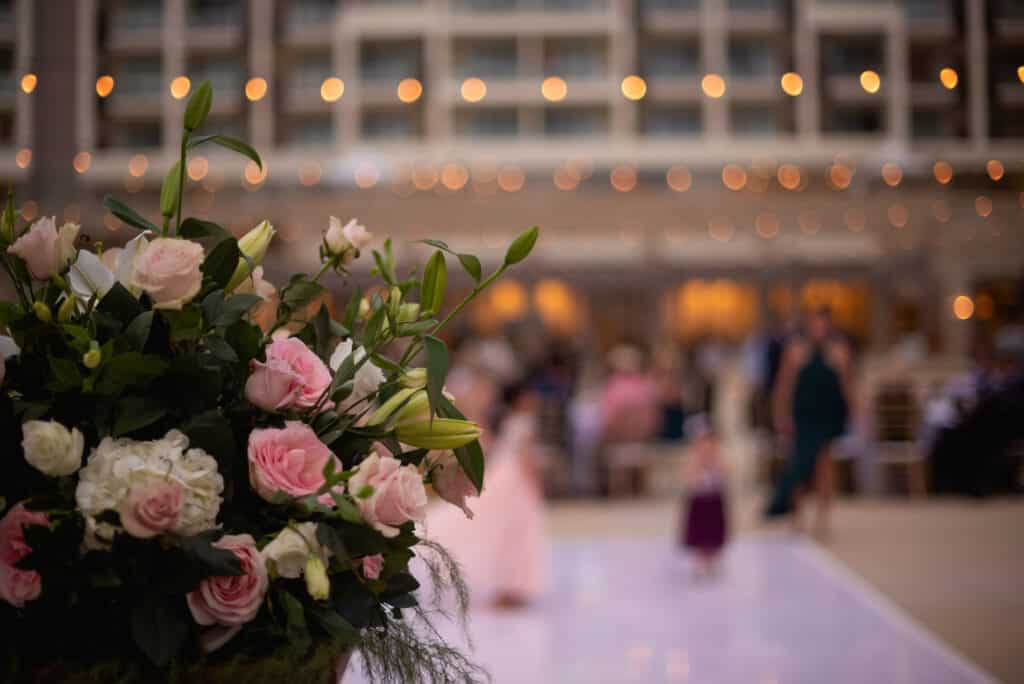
704, 477
503, 551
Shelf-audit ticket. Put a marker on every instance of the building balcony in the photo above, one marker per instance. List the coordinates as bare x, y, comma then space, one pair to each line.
526, 90
1010, 94
135, 104
658, 21
305, 99
932, 95
128, 41
846, 89
215, 38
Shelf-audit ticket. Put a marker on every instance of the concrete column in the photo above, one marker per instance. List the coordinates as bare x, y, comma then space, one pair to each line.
805, 60
530, 51
622, 62
345, 57
897, 90
261, 63
175, 64
977, 73
85, 78
714, 53
437, 69
24, 61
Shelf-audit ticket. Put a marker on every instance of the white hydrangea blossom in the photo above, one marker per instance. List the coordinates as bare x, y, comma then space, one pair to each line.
117, 465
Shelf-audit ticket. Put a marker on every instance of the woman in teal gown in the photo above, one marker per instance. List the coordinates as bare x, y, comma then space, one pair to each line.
811, 406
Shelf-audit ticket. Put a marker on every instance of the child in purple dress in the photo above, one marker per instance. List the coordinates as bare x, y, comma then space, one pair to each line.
704, 476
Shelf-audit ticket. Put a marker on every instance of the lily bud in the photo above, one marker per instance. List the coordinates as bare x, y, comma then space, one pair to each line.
67, 309
364, 309
409, 313
415, 378
253, 245
43, 312
397, 400
394, 301
317, 583
91, 359
439, 433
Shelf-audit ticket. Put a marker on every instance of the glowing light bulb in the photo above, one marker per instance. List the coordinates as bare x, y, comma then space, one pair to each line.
792, 84
634, 87
332, 89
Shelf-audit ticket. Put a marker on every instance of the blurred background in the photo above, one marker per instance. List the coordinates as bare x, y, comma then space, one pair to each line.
706, 174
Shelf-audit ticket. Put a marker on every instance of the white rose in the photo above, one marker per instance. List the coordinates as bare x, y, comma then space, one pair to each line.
292, 547
335, 238
357, 234
367, 379
51, 448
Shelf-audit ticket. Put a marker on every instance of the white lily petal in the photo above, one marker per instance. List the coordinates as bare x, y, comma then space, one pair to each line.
125, 263
88, 276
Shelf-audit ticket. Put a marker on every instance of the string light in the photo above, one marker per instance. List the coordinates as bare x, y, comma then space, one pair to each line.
180, 87
29, 210
983, 206
734, 177
898, 215
197, 168
23, 158
554, 89
789, 176
1020, 73
792, 83
870, 81
309, 173
332, 89
949, 78
840, 176
809, 224
366, 175
767, 225
424, 176
511, 179
104, 85
943, 172
29, 82
678, 178
713, 86
409, 90
454, 176
564, 179
942, 211
623, 178
892, 174
254, 175
995, 169
963, 307
720, 228
256, 88
138, 165
473, 89
82, 162
855, 219
633, 87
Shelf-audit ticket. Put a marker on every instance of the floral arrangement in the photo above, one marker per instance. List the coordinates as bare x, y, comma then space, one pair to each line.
206, 478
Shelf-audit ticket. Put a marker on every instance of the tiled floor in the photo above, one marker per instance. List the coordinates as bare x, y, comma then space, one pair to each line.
780, 612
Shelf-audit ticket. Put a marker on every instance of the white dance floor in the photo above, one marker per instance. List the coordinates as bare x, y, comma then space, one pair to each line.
780, 612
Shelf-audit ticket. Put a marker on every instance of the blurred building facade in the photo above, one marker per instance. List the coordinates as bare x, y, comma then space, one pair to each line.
700, 167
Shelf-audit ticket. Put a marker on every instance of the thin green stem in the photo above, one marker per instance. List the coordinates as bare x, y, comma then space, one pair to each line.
25, 303
181, 179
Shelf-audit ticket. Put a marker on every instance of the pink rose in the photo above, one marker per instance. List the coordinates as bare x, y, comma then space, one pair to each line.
167, 269
230, 601
45, 250
18, 586
289, 460
152, 510
372, 565
451, 483
389, 494
291, 377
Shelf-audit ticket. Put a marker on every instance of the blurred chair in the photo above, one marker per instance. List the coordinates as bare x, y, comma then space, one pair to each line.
897, 418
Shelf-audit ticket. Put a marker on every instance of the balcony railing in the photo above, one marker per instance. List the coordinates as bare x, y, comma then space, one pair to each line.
216, 15
529, 5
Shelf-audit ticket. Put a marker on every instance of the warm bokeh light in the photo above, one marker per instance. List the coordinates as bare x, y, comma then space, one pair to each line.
943, 172
180, 87
511, 179
1020, 73
898, 215
112, 223
942, 211
713, 85
809, 224
949, 78
892, 174
634, 87
870, 81
255, 88
554, 89
789, 176
984, 306
679, 178
557, 305
424, 176
564, 178
995, 169
332, 89
623, 178
82, 162
29, 210
721, 228
29, 82
410, 90
734, 177
366, 175
983, 206
454, 176
855, 219
104, 85
253, 175
197, 168
473, 90
23, 158
138, 165
963, 307
792, 83
767, 225
309, 173
840, 176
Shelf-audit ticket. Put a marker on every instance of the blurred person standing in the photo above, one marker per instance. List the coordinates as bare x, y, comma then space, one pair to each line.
630, 404
811, 405
705, 475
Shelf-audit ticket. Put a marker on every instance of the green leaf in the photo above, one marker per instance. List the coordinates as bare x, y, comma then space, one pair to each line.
471, 458
471, 265
198, 106
158, 626
322, 328
131, 368
352, 310
219, 562
246, 339
127, 214
169, 190
135, 413
137, 331
434, 283
346, 371
66, 374
9, 311
348, 511
437, 370
186, 324
231, 144
220, 263
300, 293
197, 229
296, 629
120, 303
220, 348
326, 535
372, 329
437, 243
332, 623
522, 246
235, 308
